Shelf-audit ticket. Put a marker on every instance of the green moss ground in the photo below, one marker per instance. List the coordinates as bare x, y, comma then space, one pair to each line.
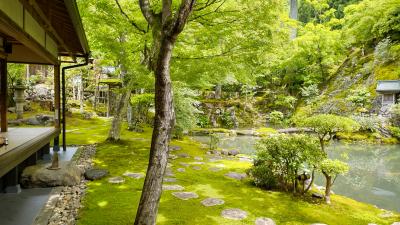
105, 203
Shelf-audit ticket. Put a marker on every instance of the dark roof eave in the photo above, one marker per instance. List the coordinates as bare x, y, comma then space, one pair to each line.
73, 11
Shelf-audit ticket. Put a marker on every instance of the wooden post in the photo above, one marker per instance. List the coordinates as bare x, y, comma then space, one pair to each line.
3, 94
57, 114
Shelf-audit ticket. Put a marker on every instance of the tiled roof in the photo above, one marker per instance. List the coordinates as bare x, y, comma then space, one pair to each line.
388, 86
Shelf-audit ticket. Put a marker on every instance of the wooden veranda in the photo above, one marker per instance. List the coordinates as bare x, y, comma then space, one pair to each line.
47, 32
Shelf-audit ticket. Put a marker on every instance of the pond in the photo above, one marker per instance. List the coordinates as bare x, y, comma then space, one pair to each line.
374, 175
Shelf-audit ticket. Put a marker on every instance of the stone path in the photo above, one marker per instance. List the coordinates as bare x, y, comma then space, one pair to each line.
170, 179
236, 176
184, 164
198, 158
185, 195
134, 175
215, 169
181, 170
212, 202
196, 167
172, 188
264, 221
234, 214
183, 155
116, 180
198, 163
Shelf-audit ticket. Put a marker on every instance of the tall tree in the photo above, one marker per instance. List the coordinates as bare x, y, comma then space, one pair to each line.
166, 26
293, 14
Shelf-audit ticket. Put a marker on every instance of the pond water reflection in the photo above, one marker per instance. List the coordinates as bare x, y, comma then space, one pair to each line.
374, 175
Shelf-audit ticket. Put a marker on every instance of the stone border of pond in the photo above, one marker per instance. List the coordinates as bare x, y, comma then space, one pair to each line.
64, 202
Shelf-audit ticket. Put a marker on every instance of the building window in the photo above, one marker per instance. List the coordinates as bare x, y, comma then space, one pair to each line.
388, 98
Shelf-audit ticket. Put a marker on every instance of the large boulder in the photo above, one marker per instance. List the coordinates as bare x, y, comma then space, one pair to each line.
39, 176
95, 174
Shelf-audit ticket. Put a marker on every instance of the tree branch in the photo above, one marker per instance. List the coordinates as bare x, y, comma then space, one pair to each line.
182, 16
146, 11
166, 11
133, 23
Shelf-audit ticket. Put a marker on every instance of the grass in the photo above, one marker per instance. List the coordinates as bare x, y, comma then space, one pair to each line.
105, 203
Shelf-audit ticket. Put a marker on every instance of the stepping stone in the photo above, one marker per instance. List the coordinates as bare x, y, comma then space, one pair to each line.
183, 155
169, 173
198, 158
220, 165
234, 214
181, 170
133, 175
196, 167
116, 180
245, 159
169, 179
95, 174
172, 156
172, 188
212, 202
198, 163
215, 169
396, 223
236, 176
184, 164
372, 224
174, 148
185, 195
264, 221
318, 224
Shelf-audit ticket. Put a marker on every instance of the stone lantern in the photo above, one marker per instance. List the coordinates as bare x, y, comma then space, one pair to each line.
19, 98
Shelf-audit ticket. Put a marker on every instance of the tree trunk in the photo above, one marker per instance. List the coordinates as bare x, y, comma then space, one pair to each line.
115, 131
163, 124
322, 143
293, 14
328, 188
81, 96
311, 182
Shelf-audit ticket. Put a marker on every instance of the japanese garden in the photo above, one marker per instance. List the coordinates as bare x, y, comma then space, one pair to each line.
203, 112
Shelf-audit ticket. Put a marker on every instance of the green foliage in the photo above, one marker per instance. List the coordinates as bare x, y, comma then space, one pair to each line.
333, 167
185, 110
141, 105
360, 97
328, 125
309, 92
395, 131
227, 120
276, 117
202, 121
283, 157
368, 123
214, 141
395, 115
370, 21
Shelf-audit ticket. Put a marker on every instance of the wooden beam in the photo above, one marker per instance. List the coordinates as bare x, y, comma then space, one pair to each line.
10, 28
3, 95
47, 24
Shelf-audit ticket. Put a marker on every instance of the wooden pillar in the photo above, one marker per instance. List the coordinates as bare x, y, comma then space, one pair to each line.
57, 113
3, 94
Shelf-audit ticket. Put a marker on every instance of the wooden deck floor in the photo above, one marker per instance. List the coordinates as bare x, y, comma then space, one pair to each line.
23, 142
